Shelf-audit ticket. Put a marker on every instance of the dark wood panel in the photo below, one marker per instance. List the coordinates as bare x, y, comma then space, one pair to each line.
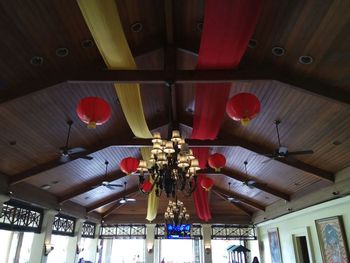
316, 28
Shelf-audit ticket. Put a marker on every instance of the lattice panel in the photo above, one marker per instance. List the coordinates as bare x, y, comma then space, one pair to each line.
159, 232
233, 232
20, 217
88, 230
124, 231
63, 225
196, 232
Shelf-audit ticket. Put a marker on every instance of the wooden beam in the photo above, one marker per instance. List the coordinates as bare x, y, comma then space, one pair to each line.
232, 140
88, 186
240, 177
239, 197
111, 199
238, 205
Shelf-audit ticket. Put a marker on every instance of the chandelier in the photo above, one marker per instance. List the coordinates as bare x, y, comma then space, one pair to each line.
172, 167
176, 213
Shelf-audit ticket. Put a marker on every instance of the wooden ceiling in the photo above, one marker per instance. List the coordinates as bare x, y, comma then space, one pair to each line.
36, 102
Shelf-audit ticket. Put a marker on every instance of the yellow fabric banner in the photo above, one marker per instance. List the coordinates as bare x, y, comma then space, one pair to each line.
103, 20
153, 200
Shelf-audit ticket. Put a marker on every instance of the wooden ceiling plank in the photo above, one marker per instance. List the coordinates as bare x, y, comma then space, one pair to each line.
88, 186
239, 206
111, 210
231, 140
111, 199
25, 175
241, 178
241, 198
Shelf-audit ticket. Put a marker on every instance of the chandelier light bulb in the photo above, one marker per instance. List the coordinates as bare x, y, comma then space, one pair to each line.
156, 137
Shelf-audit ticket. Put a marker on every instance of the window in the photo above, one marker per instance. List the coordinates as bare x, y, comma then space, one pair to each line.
179, 251
59, 254
128, 250
15, 246
219, 249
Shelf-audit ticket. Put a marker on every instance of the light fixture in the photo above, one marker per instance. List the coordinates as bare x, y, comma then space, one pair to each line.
172, 166
207, 248
48, 248
150, 247
176, 213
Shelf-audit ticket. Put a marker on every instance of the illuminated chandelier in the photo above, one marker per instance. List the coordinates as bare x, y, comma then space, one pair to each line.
176, 213
172, 167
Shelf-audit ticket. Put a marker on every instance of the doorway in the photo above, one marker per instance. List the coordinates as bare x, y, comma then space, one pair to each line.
301, 247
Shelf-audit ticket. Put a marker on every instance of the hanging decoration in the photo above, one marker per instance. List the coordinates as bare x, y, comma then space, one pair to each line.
207, 183
129, 165
93, 111
216, 161
243, 107
228, 26
146, 186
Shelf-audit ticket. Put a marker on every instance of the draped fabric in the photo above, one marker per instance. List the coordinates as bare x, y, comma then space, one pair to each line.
153, 200
228, 26
103, 20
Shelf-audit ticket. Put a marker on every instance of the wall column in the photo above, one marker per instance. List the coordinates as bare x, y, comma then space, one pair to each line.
207, 243
149, 244
3, 199
37, 250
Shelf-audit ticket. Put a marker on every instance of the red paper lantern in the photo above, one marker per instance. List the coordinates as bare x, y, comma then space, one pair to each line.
217, 161
93, 111
146, 186
207, 183
243, 107
129, 165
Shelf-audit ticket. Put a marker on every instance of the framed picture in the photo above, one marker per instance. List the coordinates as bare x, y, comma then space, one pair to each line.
275, 247
332, 239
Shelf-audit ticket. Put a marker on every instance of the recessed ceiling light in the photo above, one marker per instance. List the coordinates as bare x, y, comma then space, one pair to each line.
37, 61
45, 186
87, 43
306, 60
252, 43
62, 52
278, 51
136, 27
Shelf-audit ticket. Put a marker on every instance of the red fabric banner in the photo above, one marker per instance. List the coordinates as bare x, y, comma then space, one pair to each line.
228, 26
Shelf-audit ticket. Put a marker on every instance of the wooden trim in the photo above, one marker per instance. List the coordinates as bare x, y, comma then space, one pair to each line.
243, 199
111, 199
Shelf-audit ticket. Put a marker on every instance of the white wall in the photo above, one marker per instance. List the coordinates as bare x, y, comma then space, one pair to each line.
299, 221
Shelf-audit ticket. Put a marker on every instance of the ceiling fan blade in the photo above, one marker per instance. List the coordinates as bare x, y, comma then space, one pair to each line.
76, 150
131, 199
301, 152
116, 185
268, 160
233, 199
110, 187
86, 157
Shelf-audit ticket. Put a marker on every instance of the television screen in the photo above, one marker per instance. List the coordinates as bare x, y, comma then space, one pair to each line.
178, 231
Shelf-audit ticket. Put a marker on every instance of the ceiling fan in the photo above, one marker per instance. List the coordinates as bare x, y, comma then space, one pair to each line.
125, 199
248, 181
232, 199
66, 152
105, 183
282, 151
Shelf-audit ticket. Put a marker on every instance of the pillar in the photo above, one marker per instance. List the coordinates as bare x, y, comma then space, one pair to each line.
206, 228
150, 244
44, 238
3, 199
